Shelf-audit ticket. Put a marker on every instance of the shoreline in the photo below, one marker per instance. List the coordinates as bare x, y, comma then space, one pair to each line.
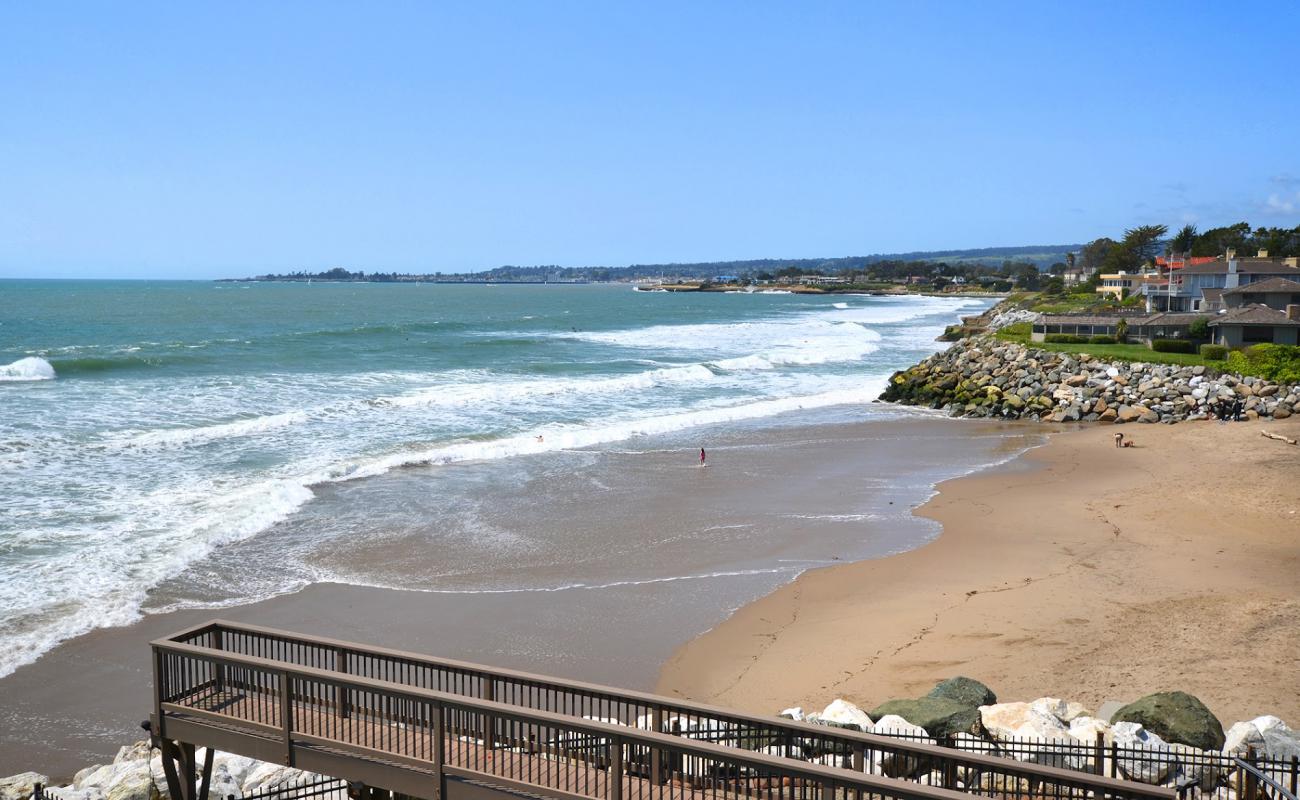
1077, 570
777, 499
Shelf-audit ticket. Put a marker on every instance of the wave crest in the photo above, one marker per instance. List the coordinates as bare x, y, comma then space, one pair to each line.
28, 369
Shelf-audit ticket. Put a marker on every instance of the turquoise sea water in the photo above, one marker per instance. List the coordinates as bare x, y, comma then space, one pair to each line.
145, 425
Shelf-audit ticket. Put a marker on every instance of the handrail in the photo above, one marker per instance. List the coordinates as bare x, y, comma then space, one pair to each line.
893, 745
618, 733
1260, 775
1032, 772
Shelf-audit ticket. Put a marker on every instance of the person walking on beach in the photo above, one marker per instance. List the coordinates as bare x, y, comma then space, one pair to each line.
703, 458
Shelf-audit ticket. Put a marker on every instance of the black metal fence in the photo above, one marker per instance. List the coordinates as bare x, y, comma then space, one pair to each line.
327, 788
1194, 773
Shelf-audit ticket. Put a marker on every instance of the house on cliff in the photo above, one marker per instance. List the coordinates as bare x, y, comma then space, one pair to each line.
1183, 289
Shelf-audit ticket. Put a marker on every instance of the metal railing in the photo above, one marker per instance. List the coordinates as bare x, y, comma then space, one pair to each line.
309, 787
440, 716
1258, 783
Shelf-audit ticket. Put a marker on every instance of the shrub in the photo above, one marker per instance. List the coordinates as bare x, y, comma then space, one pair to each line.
1102, 340
1214, 352
1064, 338
1172, 346
1200, 328
1276, 362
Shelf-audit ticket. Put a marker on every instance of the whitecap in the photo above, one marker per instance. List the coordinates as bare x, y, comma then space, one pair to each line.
28, 369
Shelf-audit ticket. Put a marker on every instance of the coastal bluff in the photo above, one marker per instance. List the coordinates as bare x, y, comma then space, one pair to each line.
984, 377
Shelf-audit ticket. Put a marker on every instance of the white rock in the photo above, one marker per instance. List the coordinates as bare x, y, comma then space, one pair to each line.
842, 712
1086, 728
1251, 733
1008, 721
237, 766
140, 751
1155, 762
795, 713
134, 784
1056, 707
1281, 745
223, 785
898, 766
1199, 767
22, 785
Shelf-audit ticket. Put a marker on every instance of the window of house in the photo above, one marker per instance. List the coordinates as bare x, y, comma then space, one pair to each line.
1257, 333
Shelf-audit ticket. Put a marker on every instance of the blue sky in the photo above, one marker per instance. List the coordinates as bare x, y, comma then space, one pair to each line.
206, 140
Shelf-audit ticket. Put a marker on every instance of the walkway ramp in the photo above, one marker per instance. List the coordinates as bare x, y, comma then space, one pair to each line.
431, 728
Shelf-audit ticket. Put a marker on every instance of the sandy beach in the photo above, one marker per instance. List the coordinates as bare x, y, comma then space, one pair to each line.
1080, 571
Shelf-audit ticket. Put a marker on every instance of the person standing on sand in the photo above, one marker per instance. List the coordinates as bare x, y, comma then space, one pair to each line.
702, 458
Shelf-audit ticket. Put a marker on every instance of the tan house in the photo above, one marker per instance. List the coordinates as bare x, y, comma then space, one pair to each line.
1123, 284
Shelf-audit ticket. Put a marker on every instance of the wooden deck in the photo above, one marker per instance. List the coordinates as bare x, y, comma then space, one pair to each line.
420, 727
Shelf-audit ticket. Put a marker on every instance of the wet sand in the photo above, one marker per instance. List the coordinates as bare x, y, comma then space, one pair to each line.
665, 550
1082, 571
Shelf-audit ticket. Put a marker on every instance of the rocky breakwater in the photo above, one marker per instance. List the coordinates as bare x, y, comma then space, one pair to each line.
137, 774
1166, 739
986, 377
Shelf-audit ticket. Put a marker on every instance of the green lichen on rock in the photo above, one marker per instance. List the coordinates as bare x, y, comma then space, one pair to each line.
1175, 717
939, 716
967, 691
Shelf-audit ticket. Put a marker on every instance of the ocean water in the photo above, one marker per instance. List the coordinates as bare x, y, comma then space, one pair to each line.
150, 430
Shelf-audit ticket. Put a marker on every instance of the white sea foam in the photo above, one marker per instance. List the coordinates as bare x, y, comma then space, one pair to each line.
27, 369
177, 437
170, 468
839, 305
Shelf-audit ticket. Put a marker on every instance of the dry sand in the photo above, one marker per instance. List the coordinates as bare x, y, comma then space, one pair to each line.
1080, 571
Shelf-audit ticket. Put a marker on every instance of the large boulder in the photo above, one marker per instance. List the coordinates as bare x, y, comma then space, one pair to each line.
22, 785
1175, 717
1061, 709
939, 717
1281, 745
899, 765
843, 714
1007, 722
966, 691
134, 784
1086, 728
1145, 757
1250, 734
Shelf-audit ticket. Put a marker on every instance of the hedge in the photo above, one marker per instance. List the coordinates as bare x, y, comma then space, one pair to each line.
1214, 352
1103, 340
1172, 346
1276, 362
1065, 338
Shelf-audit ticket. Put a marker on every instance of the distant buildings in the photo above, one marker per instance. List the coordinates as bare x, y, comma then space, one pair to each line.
1185, 288
1243, 301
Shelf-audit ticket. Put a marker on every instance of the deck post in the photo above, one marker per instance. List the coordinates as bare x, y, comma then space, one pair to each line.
219, 667
1099, 755
489, 723
286, 716
159, 721
859, 759
168, 748
189, 779
206, 781
1252, 784
616, 769
656, 755
439, 751
341, 665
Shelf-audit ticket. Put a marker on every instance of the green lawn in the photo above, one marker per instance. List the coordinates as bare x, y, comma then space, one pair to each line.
1113, 352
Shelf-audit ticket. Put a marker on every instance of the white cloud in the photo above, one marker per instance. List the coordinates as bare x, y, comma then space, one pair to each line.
1278, 204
